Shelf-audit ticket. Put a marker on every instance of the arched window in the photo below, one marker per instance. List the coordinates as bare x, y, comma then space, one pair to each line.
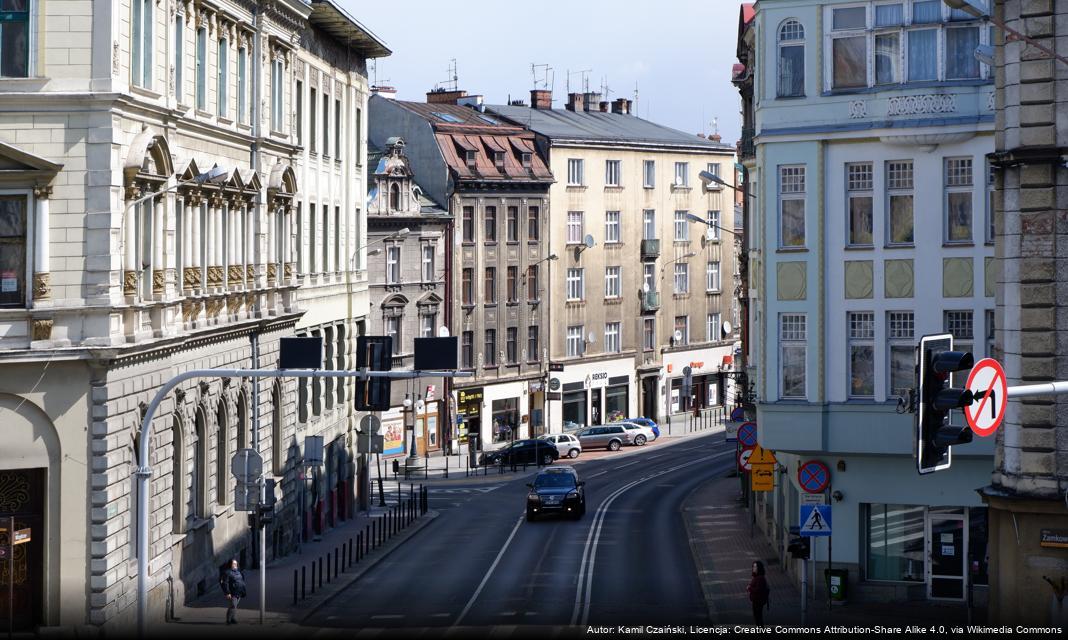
199, 473
791, 59
394, 197
178, 478
243, 431
223, 435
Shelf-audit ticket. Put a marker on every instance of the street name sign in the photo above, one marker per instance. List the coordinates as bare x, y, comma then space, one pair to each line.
813, 498
990, 389
815, 520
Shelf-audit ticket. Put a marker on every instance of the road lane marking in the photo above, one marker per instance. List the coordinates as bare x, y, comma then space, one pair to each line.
599, 473
440, 615
489, 573
387, 616
629, 464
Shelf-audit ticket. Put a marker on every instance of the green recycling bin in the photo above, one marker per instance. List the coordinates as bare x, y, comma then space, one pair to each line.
837, 583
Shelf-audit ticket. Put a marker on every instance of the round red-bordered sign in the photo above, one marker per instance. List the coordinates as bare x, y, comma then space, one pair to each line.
747, 434
743, 458
990, 387
813, 476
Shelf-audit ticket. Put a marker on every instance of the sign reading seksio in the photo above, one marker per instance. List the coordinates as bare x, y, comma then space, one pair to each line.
597, 380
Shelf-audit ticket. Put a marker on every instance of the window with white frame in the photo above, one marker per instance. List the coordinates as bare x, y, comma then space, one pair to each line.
861, 354
612, 172
791, 59
682, 226
202, 69
575, 285
649, 224
991, 185
682, 277
682, 174
393, 330
713, 327
649, 174
793, 352
961, 325
277, 78
575, 171
958, 202
426, 325
221, 77
428, 263
576, 341
859, 196
393, 257
649, 276
714, 225
712, 277
17, 39
682, 330
899, 202
648, 334
574, 227
12, 38
179, 54
989, 316
849, 47
901, 345
611, 227
612, 282
242, 85
792, 206
611, 337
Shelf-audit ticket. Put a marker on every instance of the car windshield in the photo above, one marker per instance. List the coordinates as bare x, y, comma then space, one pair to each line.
554, 480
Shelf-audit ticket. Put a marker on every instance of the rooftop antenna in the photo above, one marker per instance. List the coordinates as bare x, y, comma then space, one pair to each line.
715, 125
585, 79
636, 92
453, 83
542, 83
605, 89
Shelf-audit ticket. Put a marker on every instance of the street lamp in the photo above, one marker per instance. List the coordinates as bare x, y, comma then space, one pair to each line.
685, 256
980, 9
396, 235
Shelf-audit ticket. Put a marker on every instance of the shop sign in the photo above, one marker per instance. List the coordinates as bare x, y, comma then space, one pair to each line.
554, 384
556, 367
1057, 538
464, 396
697, 365
552, 396
597, 380
536, 386
430, 390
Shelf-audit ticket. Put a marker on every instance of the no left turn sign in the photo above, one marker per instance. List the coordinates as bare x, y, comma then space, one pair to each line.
990, 389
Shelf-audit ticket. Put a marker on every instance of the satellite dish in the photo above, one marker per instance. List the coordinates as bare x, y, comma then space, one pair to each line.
727, 326
591, 338
677, 335
645, 287
443, 332
589, 241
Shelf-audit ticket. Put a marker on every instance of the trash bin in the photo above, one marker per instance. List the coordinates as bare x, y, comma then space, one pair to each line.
837, 583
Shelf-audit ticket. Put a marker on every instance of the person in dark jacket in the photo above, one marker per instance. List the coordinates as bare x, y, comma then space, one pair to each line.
758, 592
232, 582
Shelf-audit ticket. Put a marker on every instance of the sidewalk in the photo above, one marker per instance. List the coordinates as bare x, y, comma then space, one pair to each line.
718, 527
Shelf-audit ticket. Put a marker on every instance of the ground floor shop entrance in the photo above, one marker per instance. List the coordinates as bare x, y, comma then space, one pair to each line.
22, 497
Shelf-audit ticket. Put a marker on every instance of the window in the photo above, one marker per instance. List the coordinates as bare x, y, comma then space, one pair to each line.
899, 204
791, 59
576, 343
575, 176
141, 41
611, 227
221, 79
467, 350
960, 325
575, 285
312, 119
489, 357
533, 223
428, 263
358, 135
901, 332
313, 214
849, 48
469, 224
471, 158
298, 97
961, 62
277, 78
712, 277
612, 282
489, 289
326, 124
712, 327
649, 276
393, 330
498, 160
337, 128
326, 239
533, 350
793, 336
989, 315
467, 288
427, 322
337, 238
991, 186
489, 219
611, 337
923, 54
649, 174
958, 182
682, 226
859, 196
648, 224
887, 57
574, 227
527, 159
861, 354
895, 542
714, 224
13, 227
393, 265
511, 345
612, 170
242, 85
201, 68
682, 330
682, 174
179, 54
512, 224
682, 277
649, 334
532, 283
513, 284
791, 206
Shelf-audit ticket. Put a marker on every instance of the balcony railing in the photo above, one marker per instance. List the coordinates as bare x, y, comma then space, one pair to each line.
746, 148
650, 301
650, 248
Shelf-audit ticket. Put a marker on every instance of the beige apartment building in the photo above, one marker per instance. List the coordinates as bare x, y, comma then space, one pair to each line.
162, 207
640, 291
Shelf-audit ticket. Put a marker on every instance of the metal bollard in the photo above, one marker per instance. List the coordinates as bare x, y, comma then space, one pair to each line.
335, 562
327, 567
366, 539
313, 577
294, 586
446, 467
303, 574
350, 552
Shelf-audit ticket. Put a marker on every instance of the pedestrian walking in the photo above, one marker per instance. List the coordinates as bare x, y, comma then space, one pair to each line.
758, 592
232, 582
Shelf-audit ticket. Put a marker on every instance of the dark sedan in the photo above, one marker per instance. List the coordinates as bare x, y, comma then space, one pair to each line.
533, 451
556, 490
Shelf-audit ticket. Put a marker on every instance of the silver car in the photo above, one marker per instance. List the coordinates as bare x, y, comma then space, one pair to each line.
640, 433
608, 436
567, 444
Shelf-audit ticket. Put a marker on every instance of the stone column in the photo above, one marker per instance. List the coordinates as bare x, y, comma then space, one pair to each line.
272, 261
129, 244
249, 242
196, 250
287, 245
218, 239
159, 238
42, 285
233, 257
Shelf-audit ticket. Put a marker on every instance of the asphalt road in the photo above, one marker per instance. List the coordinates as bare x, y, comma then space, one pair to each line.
481, 566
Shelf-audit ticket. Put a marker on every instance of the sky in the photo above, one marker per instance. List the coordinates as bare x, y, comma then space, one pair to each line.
679, 54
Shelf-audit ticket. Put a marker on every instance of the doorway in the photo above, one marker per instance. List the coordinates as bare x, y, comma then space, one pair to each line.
947, 549
22, 493
649, 396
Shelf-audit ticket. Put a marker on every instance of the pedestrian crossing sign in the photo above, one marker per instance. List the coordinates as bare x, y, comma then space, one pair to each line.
815, 520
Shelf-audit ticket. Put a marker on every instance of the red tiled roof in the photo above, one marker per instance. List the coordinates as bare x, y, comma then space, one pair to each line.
748, 12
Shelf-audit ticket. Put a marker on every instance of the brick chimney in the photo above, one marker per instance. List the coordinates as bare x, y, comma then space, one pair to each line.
604, 106
576, 102
621, 105
591, 100
541, 98
715, 137
441, 96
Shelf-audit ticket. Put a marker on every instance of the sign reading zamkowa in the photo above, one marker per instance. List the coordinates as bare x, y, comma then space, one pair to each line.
1056, 538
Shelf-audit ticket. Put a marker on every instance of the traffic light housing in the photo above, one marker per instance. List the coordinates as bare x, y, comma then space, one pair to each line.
374, 353
937, 361
800, 547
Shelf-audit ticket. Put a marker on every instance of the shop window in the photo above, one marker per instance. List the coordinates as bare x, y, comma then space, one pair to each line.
895, 542
505, 419
574, 416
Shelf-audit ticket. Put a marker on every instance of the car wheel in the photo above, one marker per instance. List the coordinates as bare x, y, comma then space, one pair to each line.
530, 516
547, 459
614, 445
574, 453
639, 440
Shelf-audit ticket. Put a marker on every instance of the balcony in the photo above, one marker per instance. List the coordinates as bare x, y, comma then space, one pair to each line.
650, 301
746, 148
650, 249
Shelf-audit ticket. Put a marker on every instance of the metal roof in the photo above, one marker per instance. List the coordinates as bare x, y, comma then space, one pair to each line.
334, 20
597, 126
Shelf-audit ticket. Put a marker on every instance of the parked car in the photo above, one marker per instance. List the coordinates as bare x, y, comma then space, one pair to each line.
609, 436
648, 422
640, 434
566, 444
530, 451
556, 490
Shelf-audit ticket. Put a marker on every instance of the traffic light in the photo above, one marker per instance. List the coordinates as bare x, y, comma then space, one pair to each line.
934, 434
800, 547
266, 513
376, 354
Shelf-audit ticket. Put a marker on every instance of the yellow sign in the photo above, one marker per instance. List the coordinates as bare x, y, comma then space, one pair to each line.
763, 477
761, 455
22, 536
